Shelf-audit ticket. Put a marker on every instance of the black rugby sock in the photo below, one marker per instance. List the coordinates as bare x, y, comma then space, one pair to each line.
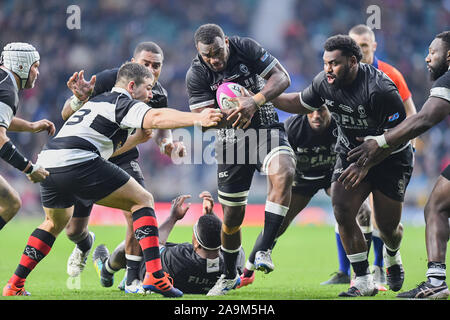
2, 223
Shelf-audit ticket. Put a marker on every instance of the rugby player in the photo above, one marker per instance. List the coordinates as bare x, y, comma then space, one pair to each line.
365, 38
78, 153
363, 101
437, 209
242, 60
19, 69
313, 139
150, 55
194, 267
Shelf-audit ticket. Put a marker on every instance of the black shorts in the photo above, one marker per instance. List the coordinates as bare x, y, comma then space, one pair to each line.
446, 173
391, 176
309, 187
83, 208
235, 174
88, 181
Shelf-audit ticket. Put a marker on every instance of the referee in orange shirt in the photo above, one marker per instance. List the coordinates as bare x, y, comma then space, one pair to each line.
365, 38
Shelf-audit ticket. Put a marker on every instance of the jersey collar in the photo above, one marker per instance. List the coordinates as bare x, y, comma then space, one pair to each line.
121, 90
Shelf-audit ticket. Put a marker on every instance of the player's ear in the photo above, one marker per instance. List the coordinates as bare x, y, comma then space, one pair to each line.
131, 86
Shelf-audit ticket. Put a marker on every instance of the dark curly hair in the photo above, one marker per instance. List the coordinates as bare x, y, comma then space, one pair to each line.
346, 44
207, 33
445, 37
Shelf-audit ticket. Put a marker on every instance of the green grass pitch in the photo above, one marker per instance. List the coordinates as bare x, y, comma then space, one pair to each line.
304, 257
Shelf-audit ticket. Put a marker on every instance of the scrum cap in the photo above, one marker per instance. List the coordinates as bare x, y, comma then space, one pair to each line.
19, 57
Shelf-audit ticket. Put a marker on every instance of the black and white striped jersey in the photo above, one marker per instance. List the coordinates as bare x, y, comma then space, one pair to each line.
100, 127
9, 98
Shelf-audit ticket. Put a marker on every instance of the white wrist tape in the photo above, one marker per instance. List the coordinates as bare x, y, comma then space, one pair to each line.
76, 103
162, 147
35, 168
381, 140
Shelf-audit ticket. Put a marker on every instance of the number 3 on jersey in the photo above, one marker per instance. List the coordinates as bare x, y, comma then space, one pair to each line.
78, 116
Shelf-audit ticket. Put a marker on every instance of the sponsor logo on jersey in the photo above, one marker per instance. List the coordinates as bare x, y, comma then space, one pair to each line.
264, 57
393, 117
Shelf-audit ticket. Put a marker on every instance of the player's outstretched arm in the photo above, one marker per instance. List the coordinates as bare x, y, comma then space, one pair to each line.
167, 118
177, 212
290, 102
21, 125
372, 149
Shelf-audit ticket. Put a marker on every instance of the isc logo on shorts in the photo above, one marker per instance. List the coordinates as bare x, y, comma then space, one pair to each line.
223, 174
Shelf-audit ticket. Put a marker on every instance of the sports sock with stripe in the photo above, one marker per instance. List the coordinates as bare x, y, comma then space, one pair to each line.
145, 228
38, 246
273, 218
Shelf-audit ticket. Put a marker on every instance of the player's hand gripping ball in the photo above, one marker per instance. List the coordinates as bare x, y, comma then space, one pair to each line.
225, 92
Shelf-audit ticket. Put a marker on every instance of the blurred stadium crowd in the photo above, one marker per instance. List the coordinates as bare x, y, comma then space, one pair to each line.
293, 30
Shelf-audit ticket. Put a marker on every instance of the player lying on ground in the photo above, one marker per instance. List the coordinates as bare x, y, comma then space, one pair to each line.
194, 267
150, 55
77, 161
19, 69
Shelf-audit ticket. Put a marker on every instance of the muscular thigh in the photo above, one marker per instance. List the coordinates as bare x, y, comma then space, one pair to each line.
7, 193
128, 197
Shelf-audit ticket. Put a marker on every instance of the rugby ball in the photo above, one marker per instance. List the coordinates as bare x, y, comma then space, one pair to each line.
225, 92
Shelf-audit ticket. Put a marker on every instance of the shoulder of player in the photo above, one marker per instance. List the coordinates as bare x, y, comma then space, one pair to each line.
242, 42
443, 81
8, 93
378, 82
197, 70
320, 81
159, 89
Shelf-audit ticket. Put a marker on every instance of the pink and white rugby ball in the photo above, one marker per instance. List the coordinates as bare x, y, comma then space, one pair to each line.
226, 91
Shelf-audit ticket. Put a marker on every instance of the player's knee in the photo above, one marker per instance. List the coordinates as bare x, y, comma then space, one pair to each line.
145, 199
16, 203
76, 231
230, 230
341, 213
363, 216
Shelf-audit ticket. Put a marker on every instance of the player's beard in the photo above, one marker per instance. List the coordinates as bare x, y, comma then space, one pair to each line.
342, 80
439, 70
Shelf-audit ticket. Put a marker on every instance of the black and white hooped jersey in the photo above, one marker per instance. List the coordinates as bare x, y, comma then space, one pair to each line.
370, 105
100, 127
315, 152
9, 98
441, 87
247, 65
105, 81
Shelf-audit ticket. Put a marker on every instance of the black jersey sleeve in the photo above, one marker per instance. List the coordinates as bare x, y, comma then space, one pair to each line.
310, 97
292, 128
199, 92
388, 108
105, 81
261, 61
441, 87
7, 107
